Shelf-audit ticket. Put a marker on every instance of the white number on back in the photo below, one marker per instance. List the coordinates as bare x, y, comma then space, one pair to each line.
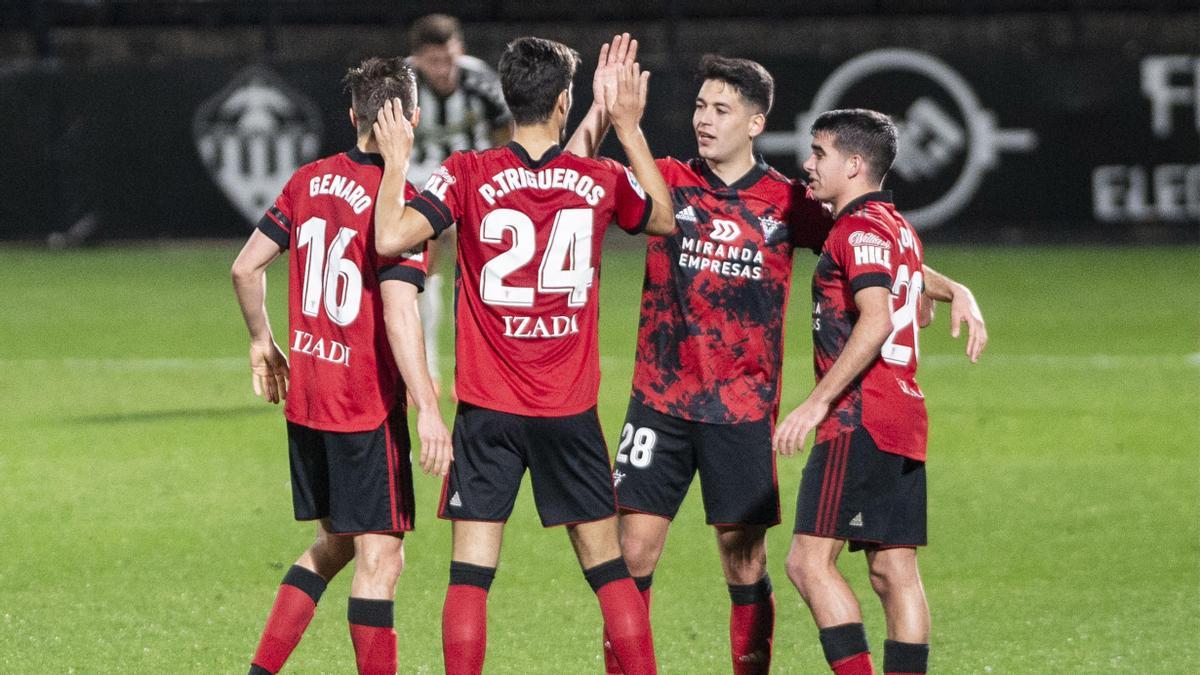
902, 318
637, 446
338, 284
566, 264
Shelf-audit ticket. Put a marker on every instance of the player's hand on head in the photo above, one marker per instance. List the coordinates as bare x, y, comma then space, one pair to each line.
269, 371
393, 132
963, 308
791, 433
436, 448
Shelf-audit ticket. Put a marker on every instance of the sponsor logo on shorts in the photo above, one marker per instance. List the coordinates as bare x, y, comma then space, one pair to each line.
455, 500
617, 478
856, 521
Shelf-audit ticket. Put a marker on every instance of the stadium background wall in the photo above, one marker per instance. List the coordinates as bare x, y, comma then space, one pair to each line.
1018, 127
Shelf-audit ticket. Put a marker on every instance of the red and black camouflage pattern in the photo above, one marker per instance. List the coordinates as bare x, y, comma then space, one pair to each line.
710, 336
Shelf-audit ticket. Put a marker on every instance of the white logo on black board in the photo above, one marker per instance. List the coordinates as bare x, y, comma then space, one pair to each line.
948, 141
253, 134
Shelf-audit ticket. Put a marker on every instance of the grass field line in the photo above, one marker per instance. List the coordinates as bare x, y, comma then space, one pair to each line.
237, 363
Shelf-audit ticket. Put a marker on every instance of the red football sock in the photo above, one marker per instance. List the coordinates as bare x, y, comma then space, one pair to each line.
611, 665
464, 618
626, 616
751, 627
859, 664
373, 635
295, 604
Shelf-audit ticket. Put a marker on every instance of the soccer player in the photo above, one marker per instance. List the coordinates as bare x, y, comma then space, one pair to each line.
353, 333
865, 479
531, 222
706, 381
461, 109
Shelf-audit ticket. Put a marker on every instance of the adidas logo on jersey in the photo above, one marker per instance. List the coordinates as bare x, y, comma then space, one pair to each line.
856, 521
686, 214
455, 500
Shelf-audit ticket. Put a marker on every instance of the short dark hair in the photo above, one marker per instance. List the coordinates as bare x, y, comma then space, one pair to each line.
376, 80
433, 29
533, 72
748, 77
857, 131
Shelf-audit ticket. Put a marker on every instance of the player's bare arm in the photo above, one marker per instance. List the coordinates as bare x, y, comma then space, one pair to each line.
625, 101
962, 308
268, 365
862, 348
622, 51
407, 339
397, 228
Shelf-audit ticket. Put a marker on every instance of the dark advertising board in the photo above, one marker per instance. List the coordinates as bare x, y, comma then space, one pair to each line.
995, 147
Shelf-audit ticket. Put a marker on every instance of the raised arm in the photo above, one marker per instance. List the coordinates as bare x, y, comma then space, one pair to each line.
862, 348
588, 136
407, 341
268, 365
962, 308
625, 101
397, 228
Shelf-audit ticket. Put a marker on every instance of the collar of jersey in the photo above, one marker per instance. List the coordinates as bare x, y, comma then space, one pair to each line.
523, 155
359, 157
746, 182
884, 196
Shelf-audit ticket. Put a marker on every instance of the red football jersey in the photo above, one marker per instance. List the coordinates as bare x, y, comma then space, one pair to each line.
529, 239
872, 245
343, 374
710, 338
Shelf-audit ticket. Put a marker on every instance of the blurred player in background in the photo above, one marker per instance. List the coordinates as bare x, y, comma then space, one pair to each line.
531, 222
865, 478
354, 332
462, 108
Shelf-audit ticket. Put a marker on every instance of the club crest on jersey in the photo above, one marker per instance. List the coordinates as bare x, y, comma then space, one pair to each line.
769, 225
725, 230
253, 135
870, 249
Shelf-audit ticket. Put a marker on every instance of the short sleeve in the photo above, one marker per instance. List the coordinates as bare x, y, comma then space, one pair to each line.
808, 219
276, 223
631, 205
410, 266
864, 251
440, 201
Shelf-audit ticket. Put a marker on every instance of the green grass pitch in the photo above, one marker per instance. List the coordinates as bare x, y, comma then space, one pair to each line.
145, 513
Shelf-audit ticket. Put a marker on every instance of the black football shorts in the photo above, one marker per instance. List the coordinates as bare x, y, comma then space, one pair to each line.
854, 491
659, 455
361, 481
566, 458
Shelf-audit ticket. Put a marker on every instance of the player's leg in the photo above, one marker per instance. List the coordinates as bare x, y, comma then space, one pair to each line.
830, 492
655, 464
478, 495
743, 550
897, 582
371, 497
741, 500
473, 560
297, 597
893, 564
573, 486
626, 616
